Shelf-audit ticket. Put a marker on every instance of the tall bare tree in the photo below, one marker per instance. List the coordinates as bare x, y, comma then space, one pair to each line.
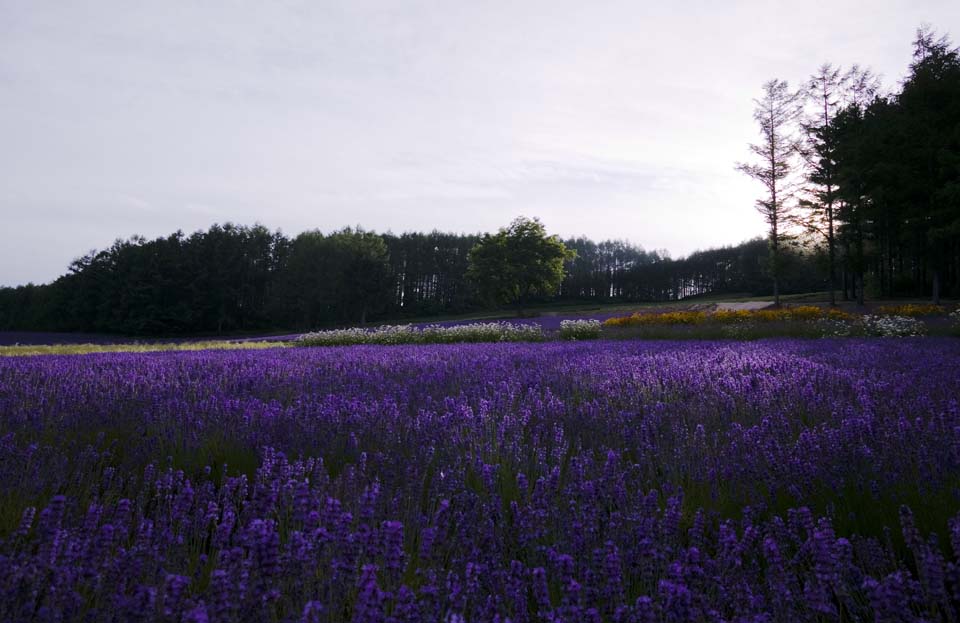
777, 113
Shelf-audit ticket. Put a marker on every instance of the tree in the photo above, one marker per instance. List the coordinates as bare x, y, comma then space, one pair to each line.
342, 277
822, 93
930, 105
517, 262
826, 93
776, 112
362, 273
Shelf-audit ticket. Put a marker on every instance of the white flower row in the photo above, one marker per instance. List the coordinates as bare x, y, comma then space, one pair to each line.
830, 327
579, 329
893, 326
431, 334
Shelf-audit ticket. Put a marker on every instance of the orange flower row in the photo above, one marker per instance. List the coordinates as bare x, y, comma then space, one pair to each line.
803, 312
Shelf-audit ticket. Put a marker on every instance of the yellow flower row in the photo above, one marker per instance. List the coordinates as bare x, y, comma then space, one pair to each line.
804, 312
638, 319
910, 309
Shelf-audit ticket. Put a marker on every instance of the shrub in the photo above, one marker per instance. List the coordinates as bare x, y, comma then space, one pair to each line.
579, 329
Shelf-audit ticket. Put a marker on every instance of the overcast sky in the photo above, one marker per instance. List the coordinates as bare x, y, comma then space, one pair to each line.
604, 118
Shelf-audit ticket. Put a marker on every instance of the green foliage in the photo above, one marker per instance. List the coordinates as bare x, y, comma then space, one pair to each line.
517, 262
892, 168
233, 279
341, 277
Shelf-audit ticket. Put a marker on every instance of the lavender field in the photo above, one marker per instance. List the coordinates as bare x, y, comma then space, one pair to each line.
774, 480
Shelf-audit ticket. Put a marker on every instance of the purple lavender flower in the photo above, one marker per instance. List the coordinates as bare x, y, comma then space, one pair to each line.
411, 514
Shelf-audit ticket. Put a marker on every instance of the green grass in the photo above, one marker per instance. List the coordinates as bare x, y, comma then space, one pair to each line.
84, 349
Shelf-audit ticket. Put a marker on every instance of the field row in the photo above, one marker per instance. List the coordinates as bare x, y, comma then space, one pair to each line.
778, 480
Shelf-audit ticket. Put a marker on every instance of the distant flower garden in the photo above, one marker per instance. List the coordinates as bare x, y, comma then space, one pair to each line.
432, 334
579, 329
911, 309
805, 321
805, 312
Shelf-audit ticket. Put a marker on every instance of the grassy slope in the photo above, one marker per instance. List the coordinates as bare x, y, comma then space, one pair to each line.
83, 349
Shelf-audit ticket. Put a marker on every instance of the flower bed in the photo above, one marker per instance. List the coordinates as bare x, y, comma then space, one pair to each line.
783, 480
430, 334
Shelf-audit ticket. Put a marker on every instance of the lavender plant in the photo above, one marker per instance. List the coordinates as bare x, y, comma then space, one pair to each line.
776, 480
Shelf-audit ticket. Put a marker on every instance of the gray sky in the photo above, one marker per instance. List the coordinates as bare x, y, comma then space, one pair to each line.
604, 118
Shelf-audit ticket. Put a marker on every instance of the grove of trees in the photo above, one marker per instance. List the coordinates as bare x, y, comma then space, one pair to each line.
234, 278
874, 176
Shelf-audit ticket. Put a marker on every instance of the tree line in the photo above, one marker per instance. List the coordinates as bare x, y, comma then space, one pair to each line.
234, 278
873, 176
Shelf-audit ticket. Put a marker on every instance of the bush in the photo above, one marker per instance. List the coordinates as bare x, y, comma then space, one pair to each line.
579, 329
432, 334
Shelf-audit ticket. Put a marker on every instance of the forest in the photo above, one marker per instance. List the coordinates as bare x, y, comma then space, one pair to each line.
873, 175
863, 198
234, 278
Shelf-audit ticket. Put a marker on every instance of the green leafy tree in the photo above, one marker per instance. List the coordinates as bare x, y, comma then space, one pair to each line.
518, 262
